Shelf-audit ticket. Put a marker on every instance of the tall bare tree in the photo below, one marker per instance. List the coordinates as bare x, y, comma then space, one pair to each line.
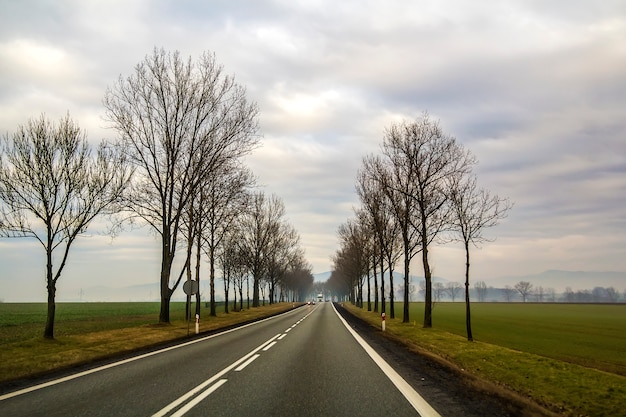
391, 174
51, 188
381, 216
285, 250
427, 158
222, 198
259, 226
178, 122
475, 209
352, 260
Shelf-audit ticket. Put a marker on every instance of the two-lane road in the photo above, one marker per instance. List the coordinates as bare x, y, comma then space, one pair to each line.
304, 362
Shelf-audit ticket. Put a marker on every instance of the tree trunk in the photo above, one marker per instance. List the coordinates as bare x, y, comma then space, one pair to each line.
226, 289
213, 312
166, 267
468, 322
382, 287
428, 297
376, 286
369, 297
49, 329
198, 256
407, 266
392, 309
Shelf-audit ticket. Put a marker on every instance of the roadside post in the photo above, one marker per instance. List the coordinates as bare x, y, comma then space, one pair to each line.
197, 323
191, 287
383, 324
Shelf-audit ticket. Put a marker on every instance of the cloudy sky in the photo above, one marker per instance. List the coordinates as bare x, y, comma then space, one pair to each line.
536, 90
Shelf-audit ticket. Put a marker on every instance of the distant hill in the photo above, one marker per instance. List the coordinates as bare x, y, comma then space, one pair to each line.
397, 276
322, 276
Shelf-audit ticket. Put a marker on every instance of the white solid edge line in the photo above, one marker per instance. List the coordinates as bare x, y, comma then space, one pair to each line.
125, 361
416, 400
195, 401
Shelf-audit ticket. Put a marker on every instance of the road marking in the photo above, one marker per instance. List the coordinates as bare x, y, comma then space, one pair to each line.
282, 336
268, 347
246, 363
195, 401
288, 330
209, 381
125, 361
421, 406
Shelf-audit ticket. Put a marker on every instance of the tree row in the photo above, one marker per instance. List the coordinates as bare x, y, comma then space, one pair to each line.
418, 191
183, 128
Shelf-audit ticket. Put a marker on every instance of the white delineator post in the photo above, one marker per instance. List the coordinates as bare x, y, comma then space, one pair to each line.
383, 317
197, 323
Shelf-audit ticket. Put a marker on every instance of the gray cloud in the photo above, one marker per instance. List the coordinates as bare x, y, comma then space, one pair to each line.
534, 89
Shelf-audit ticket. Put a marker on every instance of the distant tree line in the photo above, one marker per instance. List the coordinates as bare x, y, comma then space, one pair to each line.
526, 292
418, 191
177, 166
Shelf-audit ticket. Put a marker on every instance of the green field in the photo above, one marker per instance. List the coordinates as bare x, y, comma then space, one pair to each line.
592, 335
21, 321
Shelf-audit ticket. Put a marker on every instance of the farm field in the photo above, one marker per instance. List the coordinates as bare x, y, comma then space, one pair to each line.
568, 358
591, 335
86, 332
22, 321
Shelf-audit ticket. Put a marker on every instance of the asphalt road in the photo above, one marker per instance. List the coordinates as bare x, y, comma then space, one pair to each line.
306, 362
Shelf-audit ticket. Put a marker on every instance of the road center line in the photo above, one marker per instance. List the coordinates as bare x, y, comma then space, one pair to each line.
268, 347
246, 363
281, 337
209, 381
195, 401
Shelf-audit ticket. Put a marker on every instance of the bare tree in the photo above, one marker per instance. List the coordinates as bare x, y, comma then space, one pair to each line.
285, 251
223, 196
178, 121
428, 159
612, 295
481, 290
474, 210
453, 288
524, 288
352, 260
438, 289
375, 201
508, 293
259, 226
51, 188
395, 181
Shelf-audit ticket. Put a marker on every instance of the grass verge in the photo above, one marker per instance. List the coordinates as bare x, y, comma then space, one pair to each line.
86, 340
561, 387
